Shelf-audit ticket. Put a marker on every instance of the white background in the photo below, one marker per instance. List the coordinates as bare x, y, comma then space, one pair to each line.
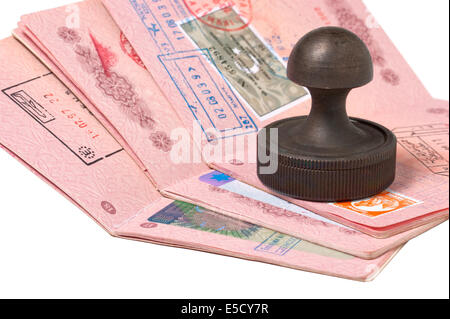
50, 249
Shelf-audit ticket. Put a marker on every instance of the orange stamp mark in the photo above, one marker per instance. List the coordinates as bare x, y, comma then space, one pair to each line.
383, 203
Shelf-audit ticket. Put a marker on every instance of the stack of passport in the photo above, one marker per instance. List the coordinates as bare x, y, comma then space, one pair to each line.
144, 114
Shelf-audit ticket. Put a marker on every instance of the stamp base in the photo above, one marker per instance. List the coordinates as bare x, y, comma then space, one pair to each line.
330, 178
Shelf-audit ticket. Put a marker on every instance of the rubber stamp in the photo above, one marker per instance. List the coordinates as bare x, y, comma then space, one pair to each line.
328, 156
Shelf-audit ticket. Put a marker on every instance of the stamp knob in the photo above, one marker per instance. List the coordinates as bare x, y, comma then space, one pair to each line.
328, 156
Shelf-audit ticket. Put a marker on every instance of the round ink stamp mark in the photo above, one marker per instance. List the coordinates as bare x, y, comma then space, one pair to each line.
109, 208
225, 15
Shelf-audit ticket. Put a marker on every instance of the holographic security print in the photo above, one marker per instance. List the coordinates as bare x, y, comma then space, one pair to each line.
186, 215
247, 63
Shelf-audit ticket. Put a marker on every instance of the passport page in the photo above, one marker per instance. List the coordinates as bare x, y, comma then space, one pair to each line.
45, 125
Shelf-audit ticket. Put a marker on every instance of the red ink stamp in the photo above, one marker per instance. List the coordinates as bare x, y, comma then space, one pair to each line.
225, 15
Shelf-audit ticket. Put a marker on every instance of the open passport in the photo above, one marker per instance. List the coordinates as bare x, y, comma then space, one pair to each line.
145, 115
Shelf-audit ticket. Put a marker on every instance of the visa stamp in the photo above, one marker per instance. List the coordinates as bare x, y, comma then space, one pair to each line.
208, 96
205, 11
278, 244
429, 144
248, 63
381, 204
32, 107
204, 89
64, 117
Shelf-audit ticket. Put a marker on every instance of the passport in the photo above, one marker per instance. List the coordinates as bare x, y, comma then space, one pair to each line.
75, 55
49, 130
124, 81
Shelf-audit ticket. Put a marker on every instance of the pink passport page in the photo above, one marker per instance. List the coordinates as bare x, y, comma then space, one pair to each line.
194, 183
223, 66
47, 128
